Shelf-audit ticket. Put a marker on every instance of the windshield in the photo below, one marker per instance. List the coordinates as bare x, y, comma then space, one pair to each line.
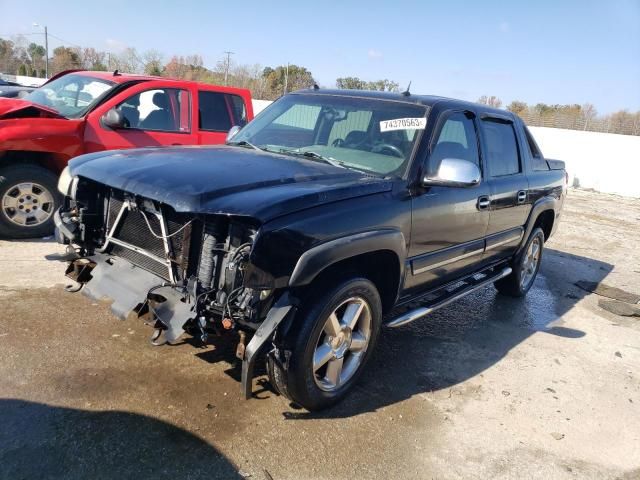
368, 134
70, 95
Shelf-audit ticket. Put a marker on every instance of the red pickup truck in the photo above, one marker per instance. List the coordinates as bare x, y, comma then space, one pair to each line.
79, 112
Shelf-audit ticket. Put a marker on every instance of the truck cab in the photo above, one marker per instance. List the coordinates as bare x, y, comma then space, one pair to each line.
81, 112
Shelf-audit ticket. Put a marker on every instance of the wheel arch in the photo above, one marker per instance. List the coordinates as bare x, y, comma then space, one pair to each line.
545, 221
374, 255
48, 160
543, 215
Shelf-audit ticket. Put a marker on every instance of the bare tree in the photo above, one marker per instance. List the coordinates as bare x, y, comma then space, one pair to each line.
492, 101
92, 59
127, 61
589, 112
153, 62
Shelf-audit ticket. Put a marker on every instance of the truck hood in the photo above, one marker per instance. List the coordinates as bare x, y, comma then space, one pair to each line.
20, 108
226, 180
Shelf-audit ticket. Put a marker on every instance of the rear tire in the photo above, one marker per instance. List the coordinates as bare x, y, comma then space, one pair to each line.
28, 199
525, 267
331, 342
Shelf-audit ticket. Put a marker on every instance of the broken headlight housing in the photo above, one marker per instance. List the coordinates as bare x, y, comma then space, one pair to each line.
67, 184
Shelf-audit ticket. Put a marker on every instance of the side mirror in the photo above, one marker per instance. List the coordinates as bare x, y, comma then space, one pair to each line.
114, 119
233, 131
455, 172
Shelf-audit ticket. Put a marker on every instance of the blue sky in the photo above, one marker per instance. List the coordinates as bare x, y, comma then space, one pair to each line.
543, 51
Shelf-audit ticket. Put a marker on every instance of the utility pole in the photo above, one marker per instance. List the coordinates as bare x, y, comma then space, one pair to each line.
226, 67
286, 79
46, 49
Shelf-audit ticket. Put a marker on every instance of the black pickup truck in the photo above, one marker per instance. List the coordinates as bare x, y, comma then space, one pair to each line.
332, 214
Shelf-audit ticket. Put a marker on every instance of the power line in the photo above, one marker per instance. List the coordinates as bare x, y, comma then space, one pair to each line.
19, 34
40, 33
64, 41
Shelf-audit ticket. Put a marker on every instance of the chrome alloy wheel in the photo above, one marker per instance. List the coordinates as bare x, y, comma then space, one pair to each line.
27, 204
530, 262
342, 344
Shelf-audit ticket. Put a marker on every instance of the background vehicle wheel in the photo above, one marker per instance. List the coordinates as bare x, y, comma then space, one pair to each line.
28, 200
331, 342
525, 267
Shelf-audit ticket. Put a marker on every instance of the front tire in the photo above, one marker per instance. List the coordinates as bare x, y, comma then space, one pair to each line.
525, 267
28, 200
331, 342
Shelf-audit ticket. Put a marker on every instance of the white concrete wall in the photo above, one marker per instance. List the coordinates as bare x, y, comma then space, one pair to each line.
605, 162
259, 105
22, 80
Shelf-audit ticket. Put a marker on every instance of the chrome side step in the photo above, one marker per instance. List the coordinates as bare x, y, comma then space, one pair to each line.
417, 313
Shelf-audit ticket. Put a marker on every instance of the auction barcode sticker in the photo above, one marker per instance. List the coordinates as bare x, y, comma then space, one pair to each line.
403, 124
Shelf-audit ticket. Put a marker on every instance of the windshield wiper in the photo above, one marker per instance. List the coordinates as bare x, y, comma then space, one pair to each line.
244, 143
315, 156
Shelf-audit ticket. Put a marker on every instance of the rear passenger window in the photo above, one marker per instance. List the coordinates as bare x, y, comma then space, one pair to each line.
502, 148
218, 112
457, 139
537, 162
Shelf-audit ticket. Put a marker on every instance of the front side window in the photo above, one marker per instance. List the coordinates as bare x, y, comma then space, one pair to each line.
367, 134
502, 147
218, 112
71, 95
165, 110
456, 139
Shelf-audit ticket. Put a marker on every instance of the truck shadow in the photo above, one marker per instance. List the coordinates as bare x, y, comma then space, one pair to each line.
45, 441
464, 339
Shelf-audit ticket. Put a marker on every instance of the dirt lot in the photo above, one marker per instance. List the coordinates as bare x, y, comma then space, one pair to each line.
490, 387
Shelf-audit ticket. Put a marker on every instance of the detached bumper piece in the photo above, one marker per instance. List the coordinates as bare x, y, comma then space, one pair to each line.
128, 287
264, 333
64, 230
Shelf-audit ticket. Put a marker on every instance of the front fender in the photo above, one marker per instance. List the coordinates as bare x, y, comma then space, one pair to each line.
316, 259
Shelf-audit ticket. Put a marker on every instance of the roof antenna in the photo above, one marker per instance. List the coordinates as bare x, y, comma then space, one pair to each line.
116, 73
316, 87
406, 93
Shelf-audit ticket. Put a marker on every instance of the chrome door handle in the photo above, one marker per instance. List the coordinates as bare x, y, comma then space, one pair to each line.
522, 196
483, 202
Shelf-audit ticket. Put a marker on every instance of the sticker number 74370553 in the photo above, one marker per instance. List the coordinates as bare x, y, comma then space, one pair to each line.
403, 124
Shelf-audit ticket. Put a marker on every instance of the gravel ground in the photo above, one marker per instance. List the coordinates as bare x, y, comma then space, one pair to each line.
490, 387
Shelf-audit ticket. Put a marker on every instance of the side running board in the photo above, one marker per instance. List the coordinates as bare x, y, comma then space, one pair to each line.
465, 289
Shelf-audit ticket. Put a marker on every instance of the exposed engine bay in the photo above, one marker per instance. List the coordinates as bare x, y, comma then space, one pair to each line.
180, 272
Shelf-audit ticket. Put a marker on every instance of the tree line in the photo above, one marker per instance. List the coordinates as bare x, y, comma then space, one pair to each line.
571, 116
23, 58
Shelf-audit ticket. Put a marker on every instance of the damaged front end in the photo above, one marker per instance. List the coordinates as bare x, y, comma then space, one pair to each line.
177, 271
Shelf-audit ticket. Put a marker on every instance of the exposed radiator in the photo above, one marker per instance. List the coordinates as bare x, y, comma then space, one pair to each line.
133, 240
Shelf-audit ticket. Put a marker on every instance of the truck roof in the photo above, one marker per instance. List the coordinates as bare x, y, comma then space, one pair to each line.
429, 100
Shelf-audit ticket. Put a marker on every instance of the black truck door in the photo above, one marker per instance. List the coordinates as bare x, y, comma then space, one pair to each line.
448, 223
509, 202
